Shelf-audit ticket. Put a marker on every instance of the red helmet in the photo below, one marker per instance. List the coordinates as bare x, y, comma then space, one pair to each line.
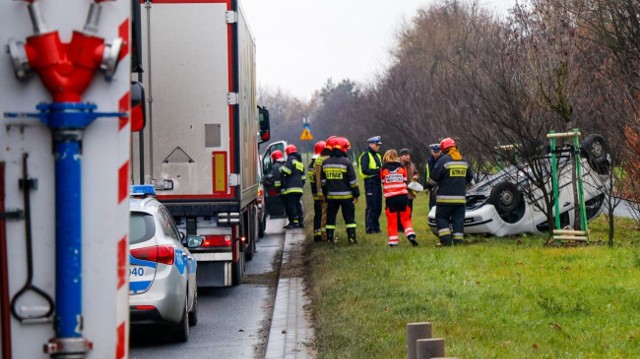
342, 144
276, 155
320, 145
331, 141
290, 149
447, 143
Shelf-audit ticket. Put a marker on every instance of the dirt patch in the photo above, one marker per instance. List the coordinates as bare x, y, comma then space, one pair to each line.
261, 279
294, 266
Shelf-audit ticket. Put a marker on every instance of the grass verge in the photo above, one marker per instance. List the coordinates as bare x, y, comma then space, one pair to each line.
494, 298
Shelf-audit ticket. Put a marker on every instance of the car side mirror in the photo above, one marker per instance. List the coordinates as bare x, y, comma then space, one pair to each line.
194, 241
138, 116
264, 124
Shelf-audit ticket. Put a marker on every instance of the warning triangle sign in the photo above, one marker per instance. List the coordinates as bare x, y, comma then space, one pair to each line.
306, 135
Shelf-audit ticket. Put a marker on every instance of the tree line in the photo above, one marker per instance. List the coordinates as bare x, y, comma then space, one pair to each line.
459, 71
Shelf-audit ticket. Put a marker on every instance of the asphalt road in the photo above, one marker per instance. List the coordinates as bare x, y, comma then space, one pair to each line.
233, 322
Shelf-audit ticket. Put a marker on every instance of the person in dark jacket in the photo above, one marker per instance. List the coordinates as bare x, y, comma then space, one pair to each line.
295, 177
394, 187
340, 188
369, 164
431, 163
274, 179
451, 174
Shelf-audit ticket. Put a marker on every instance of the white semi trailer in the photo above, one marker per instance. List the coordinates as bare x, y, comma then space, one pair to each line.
199, 147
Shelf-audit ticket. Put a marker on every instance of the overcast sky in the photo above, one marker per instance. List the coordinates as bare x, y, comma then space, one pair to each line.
302, 43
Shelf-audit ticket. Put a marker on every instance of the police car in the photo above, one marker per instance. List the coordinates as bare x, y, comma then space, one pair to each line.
497, 206
162, 272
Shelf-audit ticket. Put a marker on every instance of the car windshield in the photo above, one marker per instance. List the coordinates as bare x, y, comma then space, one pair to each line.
141, 227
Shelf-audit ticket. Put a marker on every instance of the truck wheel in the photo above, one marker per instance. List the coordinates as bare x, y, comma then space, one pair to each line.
237, 271
262, 225
182, 329
252, 232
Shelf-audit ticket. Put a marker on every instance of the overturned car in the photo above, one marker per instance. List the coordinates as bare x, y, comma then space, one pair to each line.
498, 205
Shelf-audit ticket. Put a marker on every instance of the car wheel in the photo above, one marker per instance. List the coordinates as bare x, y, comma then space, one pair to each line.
193, 315
182, 330
508, 201
594, 148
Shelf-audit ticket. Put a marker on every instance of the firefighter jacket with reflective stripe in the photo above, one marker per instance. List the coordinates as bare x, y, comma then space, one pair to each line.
369, 163
312, 177
338, 178
394, 179
452, 178
294, 174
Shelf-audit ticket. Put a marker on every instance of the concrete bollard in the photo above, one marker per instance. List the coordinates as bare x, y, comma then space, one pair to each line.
416, 331
429, 348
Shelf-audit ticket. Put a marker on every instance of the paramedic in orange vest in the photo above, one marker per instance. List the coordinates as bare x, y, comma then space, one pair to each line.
394, 188
451, 174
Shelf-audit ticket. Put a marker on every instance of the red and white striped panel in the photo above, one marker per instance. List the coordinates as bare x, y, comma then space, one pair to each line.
124, 138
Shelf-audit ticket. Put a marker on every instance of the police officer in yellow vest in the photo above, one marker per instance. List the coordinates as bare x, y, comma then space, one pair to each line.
369, 164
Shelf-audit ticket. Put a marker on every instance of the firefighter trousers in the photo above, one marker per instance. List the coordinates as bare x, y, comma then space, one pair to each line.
450, 223
294, 207
319, 220
348, 214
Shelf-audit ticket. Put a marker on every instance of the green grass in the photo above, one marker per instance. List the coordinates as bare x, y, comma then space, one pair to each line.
494, 298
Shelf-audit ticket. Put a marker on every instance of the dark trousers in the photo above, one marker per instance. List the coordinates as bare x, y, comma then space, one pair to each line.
373, 190
348, 214
294, 207
450, 223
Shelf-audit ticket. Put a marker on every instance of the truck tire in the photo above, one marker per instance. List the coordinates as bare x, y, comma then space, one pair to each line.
237, 272
237, 268
262, 225
594, 148
252, 232
508, 201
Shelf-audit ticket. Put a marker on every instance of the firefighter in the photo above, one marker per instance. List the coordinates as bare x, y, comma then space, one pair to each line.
340, 188
295, 177
369, 164
451, 174
320, 152
394, 187
277, 160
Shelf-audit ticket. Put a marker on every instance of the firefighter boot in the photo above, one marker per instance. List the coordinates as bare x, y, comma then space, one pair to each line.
446, 240
330, 238
412, 239
317, 235
292, 224
351, 233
